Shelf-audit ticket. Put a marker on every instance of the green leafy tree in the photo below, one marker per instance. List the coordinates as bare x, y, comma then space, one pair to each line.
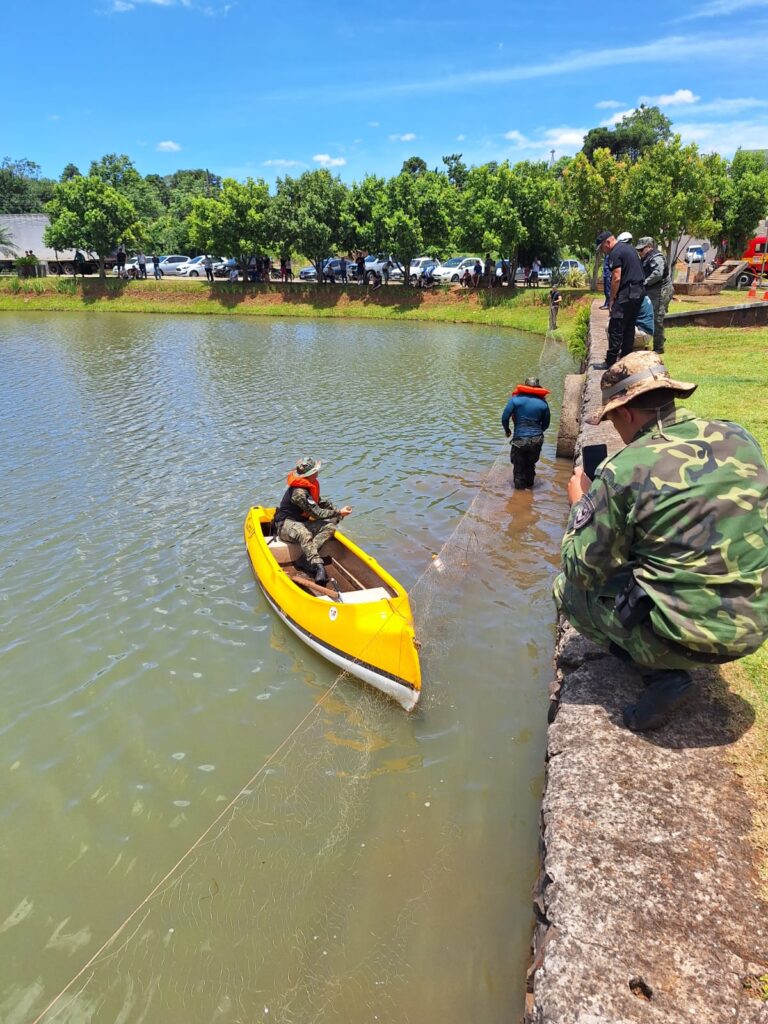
118, 171
358, 233
456, 170
488, 219
7, 248
86, 213
235, 223
414, 165
741, 195
671, 192
632, 136
413, 216
538, 198
22, 187
309, 216
70, 171
594, 198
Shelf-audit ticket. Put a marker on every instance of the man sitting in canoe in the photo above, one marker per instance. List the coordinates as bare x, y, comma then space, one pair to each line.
302, 517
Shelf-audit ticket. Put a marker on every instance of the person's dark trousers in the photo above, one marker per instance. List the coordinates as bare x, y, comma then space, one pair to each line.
524, 454
621, 329
658, 319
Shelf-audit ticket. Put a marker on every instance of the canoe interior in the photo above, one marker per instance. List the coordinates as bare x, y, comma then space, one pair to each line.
347, 571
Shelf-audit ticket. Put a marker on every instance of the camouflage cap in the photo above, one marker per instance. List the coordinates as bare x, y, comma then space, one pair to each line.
307, 466
532, 382
645, 241
633, 375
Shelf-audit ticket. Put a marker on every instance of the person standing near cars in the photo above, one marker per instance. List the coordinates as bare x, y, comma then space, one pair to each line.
535, 268
555, 299
208, 267
141, 262
361, 269
343, 270
658, 287
627, 293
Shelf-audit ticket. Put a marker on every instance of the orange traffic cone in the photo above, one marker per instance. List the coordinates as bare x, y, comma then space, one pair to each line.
752, 293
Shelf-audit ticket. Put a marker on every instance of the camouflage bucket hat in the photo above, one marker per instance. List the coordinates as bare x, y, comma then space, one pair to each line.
632, 376
307, 466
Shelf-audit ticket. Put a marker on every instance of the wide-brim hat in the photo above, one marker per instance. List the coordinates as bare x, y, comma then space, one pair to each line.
634, 375
307, 466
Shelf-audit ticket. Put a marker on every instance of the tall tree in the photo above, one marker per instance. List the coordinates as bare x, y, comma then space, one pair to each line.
488, 218
635, 133
235, 223
741, 193
671, 192
118, 171
594, 198
70, 171
309, 216
86, 213
22, 187
456, 170
414, 165
413, 215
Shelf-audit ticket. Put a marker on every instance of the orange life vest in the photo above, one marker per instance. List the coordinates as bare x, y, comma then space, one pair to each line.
313, 486
524, 389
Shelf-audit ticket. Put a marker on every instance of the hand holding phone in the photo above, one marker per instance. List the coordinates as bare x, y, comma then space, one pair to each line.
591, 457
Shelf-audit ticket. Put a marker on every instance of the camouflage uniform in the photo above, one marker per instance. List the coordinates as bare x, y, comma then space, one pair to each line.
313, 533
658, 288
684, 509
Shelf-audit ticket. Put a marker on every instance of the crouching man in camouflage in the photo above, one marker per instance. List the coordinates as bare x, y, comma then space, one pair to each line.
304, 518
665, 557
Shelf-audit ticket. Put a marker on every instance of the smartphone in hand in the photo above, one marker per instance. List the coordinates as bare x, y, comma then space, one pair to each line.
591, 457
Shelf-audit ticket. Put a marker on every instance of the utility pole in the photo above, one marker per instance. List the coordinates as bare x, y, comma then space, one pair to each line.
551, 158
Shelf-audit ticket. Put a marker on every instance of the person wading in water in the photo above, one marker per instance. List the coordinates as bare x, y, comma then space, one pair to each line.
529, 411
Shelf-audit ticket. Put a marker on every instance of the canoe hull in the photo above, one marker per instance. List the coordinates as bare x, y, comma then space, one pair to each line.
373, 640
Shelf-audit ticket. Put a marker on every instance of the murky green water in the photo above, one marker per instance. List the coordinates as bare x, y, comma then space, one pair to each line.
377, 866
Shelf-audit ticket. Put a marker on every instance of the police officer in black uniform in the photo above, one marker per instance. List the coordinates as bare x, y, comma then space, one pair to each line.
627, 293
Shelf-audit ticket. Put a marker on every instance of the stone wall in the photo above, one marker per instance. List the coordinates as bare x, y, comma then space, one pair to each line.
646, 907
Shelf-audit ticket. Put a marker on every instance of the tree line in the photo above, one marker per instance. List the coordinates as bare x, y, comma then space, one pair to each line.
637, 176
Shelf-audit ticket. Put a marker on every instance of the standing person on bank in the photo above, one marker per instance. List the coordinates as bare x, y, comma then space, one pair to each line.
665, 556
658, 287
529, 411
208, 267
555, 300
304, 518
627, 292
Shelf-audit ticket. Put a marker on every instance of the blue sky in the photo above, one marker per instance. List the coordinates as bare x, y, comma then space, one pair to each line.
260, 88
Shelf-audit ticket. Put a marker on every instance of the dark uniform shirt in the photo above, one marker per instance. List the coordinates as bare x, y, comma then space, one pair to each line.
626, 259
529, 414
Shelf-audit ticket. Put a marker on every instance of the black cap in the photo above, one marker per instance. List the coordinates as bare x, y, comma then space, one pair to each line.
602, 237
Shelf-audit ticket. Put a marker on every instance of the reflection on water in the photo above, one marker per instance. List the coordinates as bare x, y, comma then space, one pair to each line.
379, 865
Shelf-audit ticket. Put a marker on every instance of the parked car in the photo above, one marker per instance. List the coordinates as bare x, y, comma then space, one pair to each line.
452, 270
170, 265
195, 268
333, 265
545, 275
566, 265
222, 269
374, 265
418, 265
695, 254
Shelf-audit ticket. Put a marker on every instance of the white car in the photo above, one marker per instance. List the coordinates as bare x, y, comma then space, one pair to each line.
375, 265
418, 265
171, 265
195, 268
695, 254
452, 270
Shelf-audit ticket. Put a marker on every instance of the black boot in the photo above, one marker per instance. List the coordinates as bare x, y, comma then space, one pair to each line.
303, 565
668, 689
321, 576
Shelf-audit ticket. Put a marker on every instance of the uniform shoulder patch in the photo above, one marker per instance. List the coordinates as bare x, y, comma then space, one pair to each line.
584, 512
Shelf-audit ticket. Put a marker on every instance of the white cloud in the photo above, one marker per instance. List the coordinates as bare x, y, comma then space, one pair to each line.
280, 163
54, 117
407, 137
168, 147
608, 104
209, 7
678, 98
724, 137
722, 8
609, 122
561, 139
373, 124
736, 105
325, 160
516, 136
460, 138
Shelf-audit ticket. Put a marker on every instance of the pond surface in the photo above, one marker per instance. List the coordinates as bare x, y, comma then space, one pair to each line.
200, 821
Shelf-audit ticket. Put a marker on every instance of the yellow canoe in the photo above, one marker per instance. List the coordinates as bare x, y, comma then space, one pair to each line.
360, 620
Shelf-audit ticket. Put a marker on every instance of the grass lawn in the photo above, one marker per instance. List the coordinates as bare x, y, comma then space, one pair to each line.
730, 366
